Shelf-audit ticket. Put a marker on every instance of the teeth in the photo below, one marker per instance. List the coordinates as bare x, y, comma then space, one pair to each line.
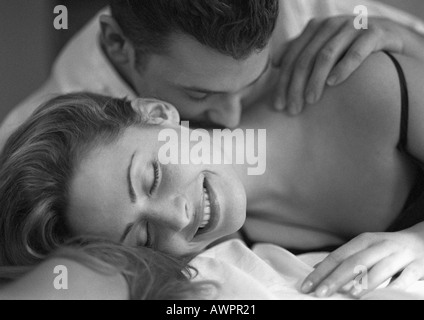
207, 209
205, 221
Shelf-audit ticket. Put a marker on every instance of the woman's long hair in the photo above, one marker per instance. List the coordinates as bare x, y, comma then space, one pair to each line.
36, 167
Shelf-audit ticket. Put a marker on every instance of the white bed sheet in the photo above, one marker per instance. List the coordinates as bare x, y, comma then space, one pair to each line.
268, 272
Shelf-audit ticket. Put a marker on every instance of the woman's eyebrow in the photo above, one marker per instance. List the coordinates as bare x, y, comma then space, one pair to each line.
131, 191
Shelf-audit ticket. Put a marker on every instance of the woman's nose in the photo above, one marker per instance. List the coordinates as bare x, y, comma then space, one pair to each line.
228, 114
172, 213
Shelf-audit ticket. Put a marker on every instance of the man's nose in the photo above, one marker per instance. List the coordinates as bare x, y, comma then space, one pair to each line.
228, 113
172, 213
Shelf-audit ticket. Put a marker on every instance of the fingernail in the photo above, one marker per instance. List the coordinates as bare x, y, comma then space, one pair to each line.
307, 287
322, 292
347, 288
332, 80
356, 292
310, 98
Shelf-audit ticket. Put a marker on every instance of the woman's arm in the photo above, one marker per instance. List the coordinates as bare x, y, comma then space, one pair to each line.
72, 281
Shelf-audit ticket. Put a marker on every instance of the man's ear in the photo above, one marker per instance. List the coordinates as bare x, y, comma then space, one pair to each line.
117, 46
157, 112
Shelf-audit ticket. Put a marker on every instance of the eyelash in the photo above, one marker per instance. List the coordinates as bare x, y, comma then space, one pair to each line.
199, 99
148, 237
157, 176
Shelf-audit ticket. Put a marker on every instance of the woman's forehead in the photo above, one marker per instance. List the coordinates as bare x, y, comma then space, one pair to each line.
97, 192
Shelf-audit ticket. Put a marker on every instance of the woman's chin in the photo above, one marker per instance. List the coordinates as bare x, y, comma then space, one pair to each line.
239, 205
236, 213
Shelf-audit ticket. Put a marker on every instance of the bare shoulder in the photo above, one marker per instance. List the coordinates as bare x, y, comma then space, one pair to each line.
370, 100
372, 96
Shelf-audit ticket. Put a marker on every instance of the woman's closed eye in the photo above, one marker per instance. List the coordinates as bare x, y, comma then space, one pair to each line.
149, 240
145, 236
157, 177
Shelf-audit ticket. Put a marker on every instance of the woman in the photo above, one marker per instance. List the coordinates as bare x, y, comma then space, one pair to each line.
35, 234
333, 174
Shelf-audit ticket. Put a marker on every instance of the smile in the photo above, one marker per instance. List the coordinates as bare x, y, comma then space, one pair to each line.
210, 210
206, 209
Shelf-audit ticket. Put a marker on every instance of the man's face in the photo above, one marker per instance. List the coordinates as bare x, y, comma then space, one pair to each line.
205, 85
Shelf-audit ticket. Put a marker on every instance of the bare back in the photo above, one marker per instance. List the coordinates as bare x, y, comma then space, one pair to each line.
334, 172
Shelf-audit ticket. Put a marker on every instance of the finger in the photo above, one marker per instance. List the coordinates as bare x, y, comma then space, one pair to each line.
380, 273
354, 57
412, 274
304, 65
326, 60
287, 61
348, 287
333, 260
277, 58
352, 268
293, 47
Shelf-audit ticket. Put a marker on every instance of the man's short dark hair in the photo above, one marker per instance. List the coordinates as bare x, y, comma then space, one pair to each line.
235, 28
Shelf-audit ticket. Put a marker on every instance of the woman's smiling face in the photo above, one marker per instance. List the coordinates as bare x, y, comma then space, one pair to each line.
123, 192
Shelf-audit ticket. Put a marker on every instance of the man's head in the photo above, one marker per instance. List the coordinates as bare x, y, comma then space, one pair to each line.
204, 56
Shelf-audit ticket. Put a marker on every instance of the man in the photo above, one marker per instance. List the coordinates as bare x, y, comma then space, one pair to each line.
214, 58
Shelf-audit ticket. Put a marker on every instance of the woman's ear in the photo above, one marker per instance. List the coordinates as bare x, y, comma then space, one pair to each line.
157, 112
118, 48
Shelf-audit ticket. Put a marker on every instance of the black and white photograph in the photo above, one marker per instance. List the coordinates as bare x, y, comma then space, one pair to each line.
213, 154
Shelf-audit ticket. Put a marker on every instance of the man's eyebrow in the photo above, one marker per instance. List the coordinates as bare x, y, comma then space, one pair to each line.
131, 190
207, 91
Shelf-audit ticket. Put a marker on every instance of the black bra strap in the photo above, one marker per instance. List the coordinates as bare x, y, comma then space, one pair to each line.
403, 141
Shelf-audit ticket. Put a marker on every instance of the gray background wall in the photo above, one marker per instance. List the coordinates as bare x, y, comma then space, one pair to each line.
24, 49
29, 43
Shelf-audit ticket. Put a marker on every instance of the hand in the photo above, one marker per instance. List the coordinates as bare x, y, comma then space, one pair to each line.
328, 52
384, 255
